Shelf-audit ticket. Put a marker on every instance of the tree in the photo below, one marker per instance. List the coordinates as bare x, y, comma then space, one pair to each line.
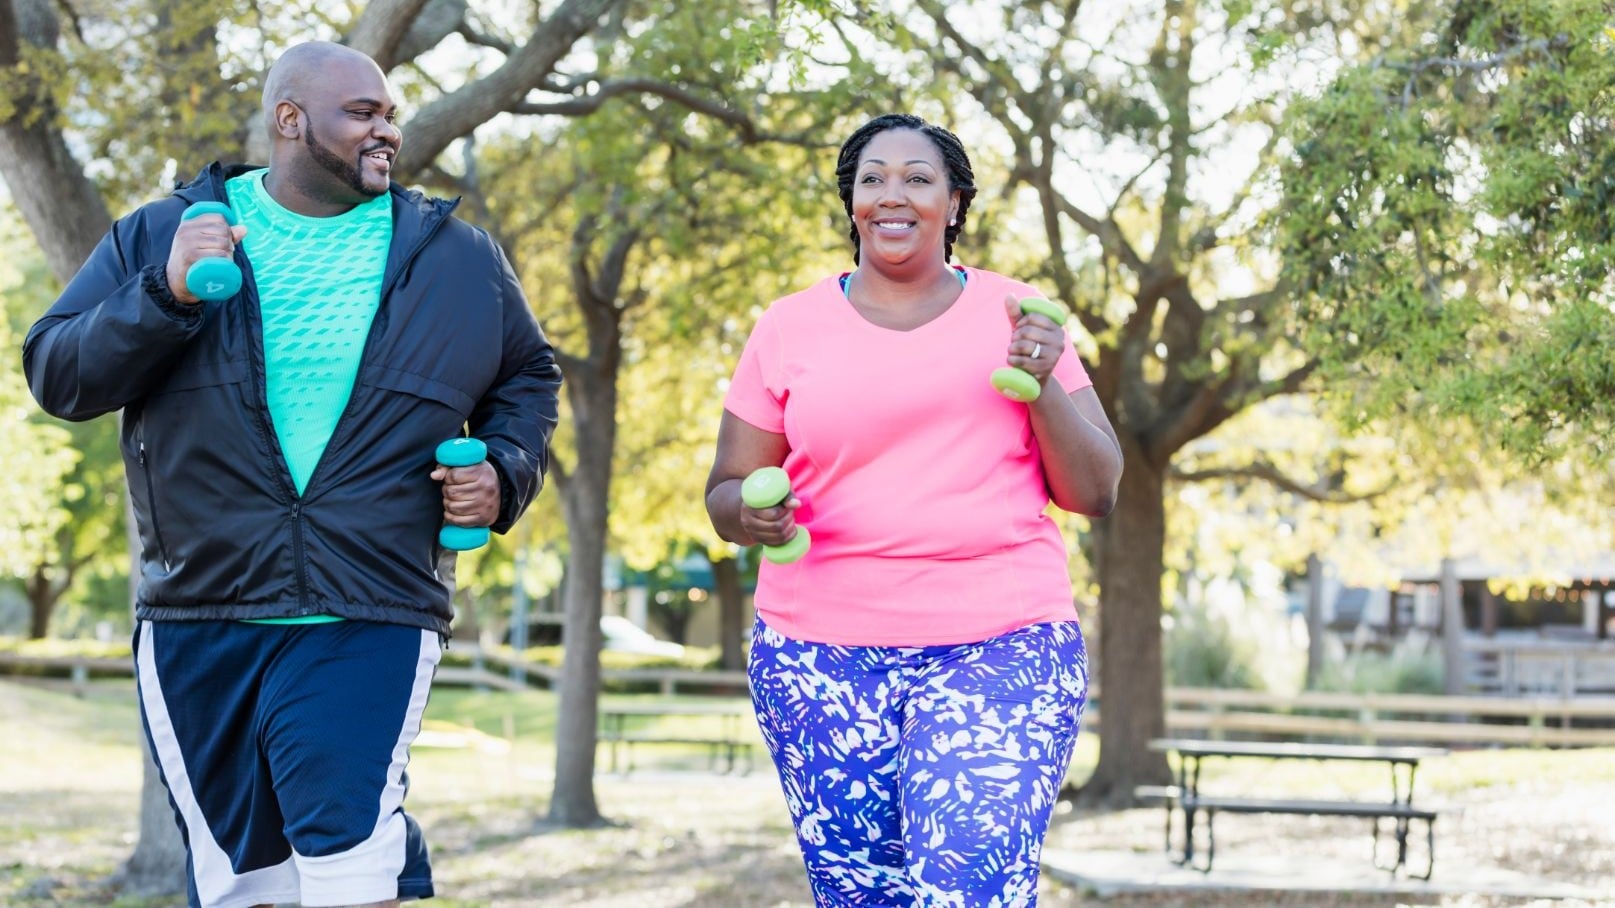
37, 459
1446, 224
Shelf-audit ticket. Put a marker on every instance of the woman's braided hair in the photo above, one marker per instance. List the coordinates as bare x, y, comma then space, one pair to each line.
960, 176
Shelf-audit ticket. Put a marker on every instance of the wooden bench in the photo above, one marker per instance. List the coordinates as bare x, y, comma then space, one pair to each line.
1402, 814
728, 748
1187, 797
727, 743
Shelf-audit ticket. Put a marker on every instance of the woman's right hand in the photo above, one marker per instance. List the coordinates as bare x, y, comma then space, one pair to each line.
771, 526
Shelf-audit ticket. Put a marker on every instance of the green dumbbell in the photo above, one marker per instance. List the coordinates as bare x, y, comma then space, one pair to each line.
216, 277
766, 488
462, 452
1018, 384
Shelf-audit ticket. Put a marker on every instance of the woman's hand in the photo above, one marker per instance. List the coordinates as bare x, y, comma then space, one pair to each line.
1035, 343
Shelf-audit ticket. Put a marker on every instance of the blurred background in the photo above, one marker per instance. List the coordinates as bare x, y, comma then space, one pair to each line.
1339, 271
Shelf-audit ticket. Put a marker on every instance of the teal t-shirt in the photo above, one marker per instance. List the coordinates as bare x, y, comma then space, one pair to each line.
319, 283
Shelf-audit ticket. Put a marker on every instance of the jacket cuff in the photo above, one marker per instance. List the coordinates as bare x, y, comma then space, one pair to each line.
154, 280
507, 498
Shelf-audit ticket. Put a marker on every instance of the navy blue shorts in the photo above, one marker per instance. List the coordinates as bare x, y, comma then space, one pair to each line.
283, 748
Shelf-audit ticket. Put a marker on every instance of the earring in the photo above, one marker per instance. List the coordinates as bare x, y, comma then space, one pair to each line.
952, 221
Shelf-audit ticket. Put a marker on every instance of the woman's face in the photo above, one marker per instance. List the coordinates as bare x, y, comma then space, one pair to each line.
901, 203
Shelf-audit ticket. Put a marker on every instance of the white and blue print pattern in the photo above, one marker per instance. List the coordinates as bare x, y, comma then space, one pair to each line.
922, 776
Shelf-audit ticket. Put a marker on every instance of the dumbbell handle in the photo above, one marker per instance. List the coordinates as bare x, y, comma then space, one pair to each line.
215, 277
461, 452
1018, 384
765, 488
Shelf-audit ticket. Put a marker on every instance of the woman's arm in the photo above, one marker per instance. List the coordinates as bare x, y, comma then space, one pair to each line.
742, 449
1082, 458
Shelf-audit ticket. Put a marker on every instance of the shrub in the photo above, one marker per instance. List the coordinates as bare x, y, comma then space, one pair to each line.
1401, 671
1203, 650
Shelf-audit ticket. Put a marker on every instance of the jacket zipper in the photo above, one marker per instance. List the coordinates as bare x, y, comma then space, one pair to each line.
255, 352
300, 554
151, 499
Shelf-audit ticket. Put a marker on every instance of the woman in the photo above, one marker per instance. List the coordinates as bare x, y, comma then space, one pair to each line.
919, 674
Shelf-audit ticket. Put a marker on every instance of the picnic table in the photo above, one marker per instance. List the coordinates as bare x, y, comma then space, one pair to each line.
1187, 799
625, 725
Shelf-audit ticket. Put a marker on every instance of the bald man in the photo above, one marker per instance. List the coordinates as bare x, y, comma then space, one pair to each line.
279, 449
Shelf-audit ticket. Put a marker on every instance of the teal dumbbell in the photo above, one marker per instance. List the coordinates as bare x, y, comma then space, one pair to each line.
462, 452
216, 277
1018, 384
766, 488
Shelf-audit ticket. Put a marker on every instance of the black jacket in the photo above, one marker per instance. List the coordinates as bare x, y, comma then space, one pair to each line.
223, 533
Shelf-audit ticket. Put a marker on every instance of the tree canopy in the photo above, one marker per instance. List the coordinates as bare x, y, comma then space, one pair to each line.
1446, 224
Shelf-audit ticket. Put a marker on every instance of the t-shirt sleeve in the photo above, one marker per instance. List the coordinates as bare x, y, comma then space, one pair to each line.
1069, 371
756, 393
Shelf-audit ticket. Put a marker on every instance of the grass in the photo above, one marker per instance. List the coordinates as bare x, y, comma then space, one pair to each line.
70, 780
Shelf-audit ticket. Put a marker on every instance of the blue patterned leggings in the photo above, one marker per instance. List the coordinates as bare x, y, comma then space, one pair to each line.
922, 776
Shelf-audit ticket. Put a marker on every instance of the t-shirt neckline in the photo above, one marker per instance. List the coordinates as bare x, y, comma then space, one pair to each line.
839, 284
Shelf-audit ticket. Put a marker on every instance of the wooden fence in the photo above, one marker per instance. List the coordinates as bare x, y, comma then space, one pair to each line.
1214, 713
1375, 718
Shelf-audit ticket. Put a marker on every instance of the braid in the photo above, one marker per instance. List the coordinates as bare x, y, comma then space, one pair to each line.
960, 176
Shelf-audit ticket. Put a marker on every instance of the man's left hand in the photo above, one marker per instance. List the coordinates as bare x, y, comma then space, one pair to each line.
470, 494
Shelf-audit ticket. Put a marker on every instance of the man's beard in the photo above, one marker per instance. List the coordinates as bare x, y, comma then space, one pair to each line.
344, 170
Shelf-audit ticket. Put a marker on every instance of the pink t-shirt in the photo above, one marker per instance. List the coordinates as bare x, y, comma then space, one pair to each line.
921, 484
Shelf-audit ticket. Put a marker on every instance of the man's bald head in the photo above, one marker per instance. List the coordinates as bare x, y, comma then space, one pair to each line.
302, 68
332, 134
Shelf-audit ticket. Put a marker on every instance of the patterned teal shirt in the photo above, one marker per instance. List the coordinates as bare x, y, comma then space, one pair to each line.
319, 283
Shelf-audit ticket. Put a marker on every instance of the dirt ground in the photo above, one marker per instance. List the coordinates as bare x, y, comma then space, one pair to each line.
674, 849
682, 839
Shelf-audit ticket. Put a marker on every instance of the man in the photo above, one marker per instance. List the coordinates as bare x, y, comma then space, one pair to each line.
279, 447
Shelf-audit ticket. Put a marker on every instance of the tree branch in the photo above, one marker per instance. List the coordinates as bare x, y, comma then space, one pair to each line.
1271, 474
459, 112
1418, 67
605, 89
381, 28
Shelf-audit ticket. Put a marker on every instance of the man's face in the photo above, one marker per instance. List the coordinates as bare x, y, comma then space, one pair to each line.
349, 133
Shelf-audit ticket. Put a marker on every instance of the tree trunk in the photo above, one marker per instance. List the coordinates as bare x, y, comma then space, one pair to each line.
731, 614
1315, 582
1131, 545
157, 866
593, 396
42, 598
60, 204
673, 619
1453, 677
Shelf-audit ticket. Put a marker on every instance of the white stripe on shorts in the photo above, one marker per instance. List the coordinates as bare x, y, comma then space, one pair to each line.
368, 872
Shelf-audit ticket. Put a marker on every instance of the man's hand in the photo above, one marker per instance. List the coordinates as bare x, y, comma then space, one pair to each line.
200, 237
470, 494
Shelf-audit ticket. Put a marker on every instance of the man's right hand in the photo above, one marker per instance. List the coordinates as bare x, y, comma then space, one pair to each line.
201, 237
